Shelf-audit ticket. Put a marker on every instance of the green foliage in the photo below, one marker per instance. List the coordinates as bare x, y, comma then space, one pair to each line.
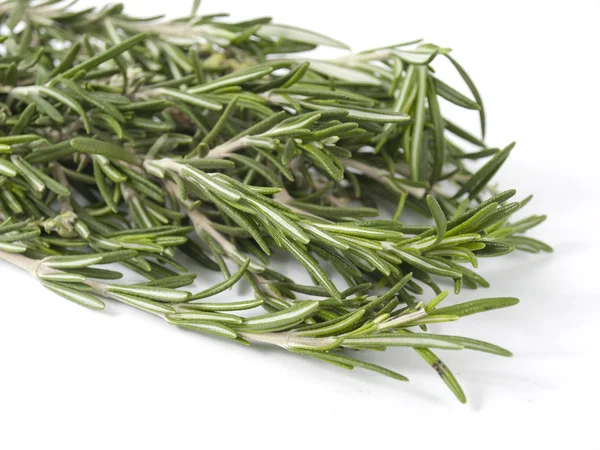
143, 143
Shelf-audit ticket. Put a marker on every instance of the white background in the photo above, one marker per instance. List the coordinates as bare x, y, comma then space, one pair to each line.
76, 379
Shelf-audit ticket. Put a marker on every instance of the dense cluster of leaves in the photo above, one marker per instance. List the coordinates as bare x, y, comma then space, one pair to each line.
127, 141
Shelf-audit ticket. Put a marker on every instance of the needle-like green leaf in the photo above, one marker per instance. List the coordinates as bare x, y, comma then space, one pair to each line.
224, 285
352, 362
480, 179
152, 293
105, 56
203, 316
441, 222
297, 34
473, 90
419, 123
71, 262
443, 371
97, 147
231, 306
81, 298
417, 340
234, 79
281, 319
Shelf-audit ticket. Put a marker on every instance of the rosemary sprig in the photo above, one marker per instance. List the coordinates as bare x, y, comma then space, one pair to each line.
126, 142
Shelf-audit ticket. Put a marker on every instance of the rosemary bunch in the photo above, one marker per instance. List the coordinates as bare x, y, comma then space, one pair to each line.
132, 141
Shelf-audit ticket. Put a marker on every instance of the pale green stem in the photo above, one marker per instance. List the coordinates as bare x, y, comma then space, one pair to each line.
379, 175
21, 261
225, 149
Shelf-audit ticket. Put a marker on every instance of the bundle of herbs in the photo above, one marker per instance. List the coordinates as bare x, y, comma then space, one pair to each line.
134, 141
